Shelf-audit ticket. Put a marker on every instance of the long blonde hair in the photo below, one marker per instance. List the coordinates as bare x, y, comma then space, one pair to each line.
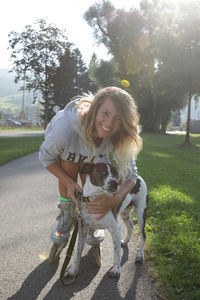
126, 143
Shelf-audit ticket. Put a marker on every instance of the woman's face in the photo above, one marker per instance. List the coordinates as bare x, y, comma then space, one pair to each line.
108, 120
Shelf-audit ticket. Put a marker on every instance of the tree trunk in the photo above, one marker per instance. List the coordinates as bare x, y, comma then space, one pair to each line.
23, 98
46, 96
187, 137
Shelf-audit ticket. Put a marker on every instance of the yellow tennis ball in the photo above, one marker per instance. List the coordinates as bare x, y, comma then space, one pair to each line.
125, 83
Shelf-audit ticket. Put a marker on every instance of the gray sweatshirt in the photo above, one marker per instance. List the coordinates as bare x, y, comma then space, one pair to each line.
63, 139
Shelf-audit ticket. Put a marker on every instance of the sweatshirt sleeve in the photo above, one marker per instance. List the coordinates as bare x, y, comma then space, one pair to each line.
56, 138
133, 173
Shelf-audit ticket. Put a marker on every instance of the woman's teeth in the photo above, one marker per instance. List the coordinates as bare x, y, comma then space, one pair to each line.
106, 129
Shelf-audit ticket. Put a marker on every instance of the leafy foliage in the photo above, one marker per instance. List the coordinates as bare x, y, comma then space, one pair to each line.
157, 51
71, 78
35, 53
47, 62
103, 73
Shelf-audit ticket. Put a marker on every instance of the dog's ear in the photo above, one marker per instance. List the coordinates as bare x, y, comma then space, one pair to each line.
87, 168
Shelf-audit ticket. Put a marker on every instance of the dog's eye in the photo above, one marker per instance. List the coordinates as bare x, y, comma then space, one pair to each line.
103, 172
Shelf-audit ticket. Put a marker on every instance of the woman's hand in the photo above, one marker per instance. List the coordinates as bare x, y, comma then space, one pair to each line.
72, 187
102, 204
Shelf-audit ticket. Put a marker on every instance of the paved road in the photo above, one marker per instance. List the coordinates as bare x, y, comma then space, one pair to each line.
27, 213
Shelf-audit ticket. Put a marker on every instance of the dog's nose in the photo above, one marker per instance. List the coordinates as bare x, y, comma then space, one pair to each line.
113, 184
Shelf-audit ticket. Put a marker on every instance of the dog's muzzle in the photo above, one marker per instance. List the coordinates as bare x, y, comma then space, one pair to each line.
113, 186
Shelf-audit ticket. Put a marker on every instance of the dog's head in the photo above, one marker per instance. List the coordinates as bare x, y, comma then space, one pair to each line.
102, 176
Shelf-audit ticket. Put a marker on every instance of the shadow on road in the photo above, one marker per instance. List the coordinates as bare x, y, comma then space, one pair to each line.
87, 273
107, 288
35, 282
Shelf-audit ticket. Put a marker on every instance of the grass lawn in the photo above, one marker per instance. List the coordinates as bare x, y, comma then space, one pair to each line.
15, 147
172, 174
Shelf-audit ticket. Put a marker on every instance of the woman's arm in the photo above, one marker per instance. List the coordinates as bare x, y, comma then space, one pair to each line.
104, 203
56, 169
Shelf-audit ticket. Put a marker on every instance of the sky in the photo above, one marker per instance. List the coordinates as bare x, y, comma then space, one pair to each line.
65, 14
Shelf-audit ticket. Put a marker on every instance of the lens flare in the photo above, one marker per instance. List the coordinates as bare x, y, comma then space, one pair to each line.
143, 41
42, 256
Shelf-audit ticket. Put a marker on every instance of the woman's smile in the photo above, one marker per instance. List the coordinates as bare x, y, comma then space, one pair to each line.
106, 129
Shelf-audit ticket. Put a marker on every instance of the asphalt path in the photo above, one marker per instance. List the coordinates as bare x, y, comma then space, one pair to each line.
28, 208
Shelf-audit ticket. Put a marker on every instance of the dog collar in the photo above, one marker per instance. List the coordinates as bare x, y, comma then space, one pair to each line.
87, 199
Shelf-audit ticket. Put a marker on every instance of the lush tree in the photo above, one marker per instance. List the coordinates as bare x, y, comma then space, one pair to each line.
127, 39
65, 79
83, 82
71, 78
180, 48
36, 52
104, 73
156, 49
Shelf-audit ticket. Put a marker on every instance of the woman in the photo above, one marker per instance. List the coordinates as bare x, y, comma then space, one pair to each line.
96, 128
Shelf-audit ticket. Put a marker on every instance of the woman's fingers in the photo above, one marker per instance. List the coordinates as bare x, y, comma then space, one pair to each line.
72, 189
77, 187
95, 207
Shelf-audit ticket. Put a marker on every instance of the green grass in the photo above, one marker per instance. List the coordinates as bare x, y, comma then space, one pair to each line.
15, 147
172, 173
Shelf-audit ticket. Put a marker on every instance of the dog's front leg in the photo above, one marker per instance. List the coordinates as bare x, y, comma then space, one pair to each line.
115, 232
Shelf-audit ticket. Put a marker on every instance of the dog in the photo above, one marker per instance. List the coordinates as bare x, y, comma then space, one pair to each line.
103, 178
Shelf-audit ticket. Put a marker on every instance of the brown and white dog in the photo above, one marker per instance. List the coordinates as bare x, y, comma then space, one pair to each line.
102, 178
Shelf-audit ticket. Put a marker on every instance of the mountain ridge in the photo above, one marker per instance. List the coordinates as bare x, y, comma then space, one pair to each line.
10, 95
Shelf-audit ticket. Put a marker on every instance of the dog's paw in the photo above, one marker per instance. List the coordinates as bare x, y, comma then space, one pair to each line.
70, 275
124, 243
114, 272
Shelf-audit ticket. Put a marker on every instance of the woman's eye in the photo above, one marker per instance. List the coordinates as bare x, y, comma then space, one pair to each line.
118, 119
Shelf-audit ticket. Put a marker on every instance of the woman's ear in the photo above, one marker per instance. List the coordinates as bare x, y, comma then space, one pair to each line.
87, 168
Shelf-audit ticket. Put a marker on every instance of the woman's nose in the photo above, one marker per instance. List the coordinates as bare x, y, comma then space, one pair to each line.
108, 122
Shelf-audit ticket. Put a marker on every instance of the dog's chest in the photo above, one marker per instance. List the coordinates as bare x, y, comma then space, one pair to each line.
91, 221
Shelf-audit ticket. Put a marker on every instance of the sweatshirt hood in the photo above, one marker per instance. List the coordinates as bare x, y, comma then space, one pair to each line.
71, 113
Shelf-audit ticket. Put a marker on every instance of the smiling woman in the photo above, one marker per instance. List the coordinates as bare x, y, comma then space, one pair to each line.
103, 127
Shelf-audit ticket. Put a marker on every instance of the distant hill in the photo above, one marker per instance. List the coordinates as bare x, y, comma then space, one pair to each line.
7, 85
10, 96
